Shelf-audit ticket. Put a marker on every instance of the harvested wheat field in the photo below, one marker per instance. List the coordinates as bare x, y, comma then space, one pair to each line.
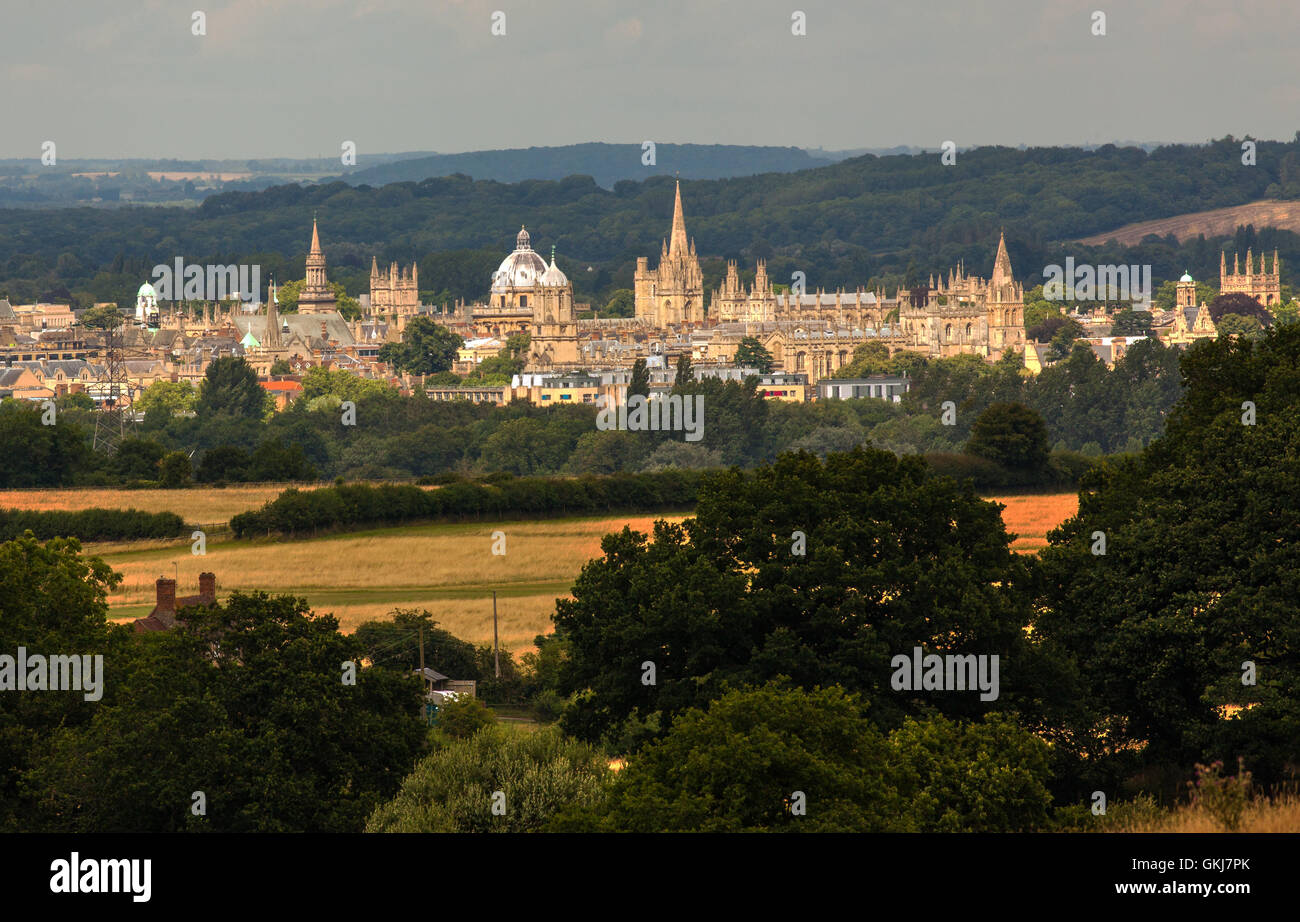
1031, 517
1281, 814
199, 505
447, 568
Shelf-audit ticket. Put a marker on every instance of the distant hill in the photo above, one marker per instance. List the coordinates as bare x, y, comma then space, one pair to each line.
606, 163
862, 221
1214, 223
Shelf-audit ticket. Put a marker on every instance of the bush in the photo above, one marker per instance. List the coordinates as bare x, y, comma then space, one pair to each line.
534, 775
91, 524
463, 716
359, 505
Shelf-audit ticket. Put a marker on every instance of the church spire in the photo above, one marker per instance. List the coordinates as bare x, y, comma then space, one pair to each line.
677, 245
315, 238
1001, 264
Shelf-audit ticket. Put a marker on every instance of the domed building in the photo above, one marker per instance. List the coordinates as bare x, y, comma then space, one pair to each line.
515, 283
529, 295
146, 303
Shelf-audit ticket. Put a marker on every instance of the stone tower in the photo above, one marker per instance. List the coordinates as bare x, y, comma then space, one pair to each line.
316, 297
1004, 305
1265, 286
394, 290
674, 292
553, 344
271, 338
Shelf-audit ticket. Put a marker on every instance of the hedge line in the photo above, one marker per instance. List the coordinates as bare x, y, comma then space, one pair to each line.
1063, 470
91, 524
350, 506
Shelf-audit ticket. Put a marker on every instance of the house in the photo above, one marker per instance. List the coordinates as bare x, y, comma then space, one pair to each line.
438, 688
878, 387
163, 617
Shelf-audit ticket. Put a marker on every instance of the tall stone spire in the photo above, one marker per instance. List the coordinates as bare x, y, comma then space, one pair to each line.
316, 296
677, 245
271, 337
1001, 264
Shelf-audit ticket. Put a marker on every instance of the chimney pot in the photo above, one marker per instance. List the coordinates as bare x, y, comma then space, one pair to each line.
208, 587
166, 607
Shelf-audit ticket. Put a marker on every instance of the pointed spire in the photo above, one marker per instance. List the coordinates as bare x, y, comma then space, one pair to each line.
315, 238
1001, 263
677, 241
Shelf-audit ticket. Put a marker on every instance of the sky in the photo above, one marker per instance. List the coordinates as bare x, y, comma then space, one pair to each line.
298, 78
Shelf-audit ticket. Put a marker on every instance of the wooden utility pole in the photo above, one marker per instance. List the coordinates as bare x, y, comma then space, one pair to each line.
421, 651
496, 647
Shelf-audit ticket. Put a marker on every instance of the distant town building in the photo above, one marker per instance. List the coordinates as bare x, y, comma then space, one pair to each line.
316, 297
874, 387
1265, 285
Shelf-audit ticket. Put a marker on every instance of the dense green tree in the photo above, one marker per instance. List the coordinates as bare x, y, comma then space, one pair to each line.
1237, 325
750, 353
640, 383
36, 454
1243, 305
224, 463
106, 317
892, 559
735, 765
174, 470
1129, 322
395, 644
537, 774
138, 459
170, 397
230, 388
248, 702
1010, 434
54, 601
426, 348
463, 716
1158, 651
621, 303
959, 776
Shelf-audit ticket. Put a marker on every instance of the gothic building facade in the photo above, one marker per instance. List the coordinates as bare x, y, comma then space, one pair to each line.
394, 291
1265, 286
967, 314
673, 292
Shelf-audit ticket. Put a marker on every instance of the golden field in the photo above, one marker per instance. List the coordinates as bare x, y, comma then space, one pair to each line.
200, 505
1280, 814
448, 569
1031, 517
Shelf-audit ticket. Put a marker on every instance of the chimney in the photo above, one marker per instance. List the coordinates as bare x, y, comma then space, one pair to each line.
165, 610
207, 588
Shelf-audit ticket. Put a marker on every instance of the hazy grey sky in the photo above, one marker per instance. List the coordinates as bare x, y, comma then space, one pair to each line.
298, 77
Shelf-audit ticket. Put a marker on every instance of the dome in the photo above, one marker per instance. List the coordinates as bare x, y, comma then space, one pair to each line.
553, 276
146, 293
1186, 278
521, 269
